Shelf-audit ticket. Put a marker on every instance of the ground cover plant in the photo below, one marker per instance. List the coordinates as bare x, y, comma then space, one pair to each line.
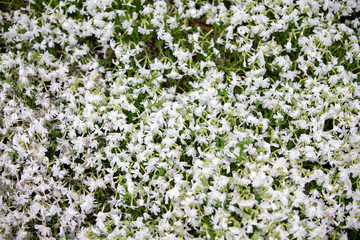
133, 119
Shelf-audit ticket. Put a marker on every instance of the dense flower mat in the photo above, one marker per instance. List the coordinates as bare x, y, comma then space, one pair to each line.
177, 119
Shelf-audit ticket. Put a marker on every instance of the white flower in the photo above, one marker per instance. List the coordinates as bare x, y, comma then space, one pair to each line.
249, 149
174, 75
88, 203
44, 231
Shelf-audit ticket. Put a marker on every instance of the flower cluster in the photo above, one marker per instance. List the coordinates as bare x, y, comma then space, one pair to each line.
180, 119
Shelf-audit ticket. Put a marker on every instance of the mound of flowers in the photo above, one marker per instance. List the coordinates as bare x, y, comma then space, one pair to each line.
134, 119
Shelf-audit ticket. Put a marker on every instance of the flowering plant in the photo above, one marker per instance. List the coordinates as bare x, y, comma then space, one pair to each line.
134, 119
